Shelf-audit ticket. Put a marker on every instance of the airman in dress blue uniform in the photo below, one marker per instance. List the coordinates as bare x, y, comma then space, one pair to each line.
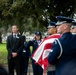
64, 48
51, 30
37, 70
25, 55
51, 24
73, 27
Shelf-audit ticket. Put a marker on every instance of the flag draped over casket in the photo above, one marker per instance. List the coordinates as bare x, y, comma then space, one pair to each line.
42, 52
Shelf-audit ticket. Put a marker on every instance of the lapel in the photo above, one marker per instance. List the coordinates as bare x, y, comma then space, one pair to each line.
16, 44
11, 39
17, 38
16, 41
36, 42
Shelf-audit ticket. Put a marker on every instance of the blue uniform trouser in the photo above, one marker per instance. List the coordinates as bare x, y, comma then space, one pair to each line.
37, 70
51, 73
25, 66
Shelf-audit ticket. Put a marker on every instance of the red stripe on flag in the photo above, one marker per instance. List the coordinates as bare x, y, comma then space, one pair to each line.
41, 53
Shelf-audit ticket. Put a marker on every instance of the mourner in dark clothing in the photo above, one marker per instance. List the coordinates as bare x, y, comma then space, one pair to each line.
14, 47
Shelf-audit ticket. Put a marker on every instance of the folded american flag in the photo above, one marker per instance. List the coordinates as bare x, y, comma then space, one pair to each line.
42, 52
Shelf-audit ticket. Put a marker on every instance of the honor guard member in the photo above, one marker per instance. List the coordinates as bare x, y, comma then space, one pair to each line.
37, 70
51, 30
73, 27
63, 53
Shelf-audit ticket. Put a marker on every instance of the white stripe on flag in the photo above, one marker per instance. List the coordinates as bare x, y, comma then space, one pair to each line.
40, 49
46, 53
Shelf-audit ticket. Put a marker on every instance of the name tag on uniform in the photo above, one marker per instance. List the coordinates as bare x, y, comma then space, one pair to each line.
24, 50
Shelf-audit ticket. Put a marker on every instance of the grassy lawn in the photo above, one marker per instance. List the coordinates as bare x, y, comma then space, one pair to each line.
3, 53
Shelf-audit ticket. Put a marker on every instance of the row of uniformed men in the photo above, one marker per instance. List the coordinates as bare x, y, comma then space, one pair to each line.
63, 50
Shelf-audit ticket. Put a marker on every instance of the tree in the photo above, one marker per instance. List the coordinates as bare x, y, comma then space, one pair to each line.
39, 11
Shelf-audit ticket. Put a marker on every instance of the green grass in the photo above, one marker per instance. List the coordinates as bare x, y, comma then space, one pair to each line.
3, 53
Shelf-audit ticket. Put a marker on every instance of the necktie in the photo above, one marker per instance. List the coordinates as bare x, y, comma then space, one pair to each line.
14, 37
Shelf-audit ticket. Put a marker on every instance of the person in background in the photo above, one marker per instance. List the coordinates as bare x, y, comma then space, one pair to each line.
14, 47
73, 29
63, 53
37, 70
25, 54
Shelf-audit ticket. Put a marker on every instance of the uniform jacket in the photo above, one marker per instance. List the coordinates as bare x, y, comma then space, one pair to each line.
66, 63
26, 51
34, 45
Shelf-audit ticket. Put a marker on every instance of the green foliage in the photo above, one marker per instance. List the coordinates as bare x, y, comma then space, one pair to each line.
19, 11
